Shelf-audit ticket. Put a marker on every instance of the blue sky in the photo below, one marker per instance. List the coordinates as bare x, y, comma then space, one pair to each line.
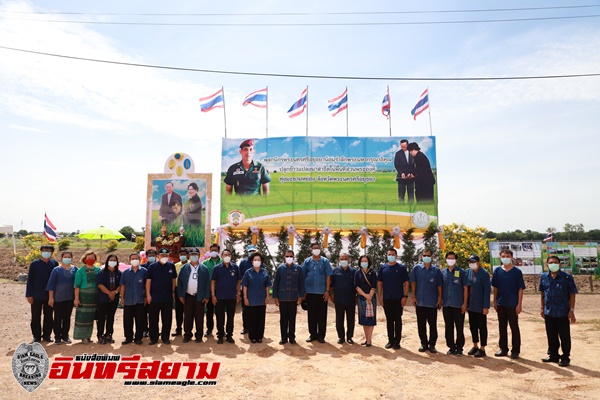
79, 136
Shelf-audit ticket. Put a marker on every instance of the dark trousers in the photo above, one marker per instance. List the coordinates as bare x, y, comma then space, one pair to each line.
210, 319
403, 187
347, 312
424, 191
105, 312
453, 318
134, 314
221, 308
165, 310
245, 318
287, 319
193, 311
317, 315
36, 315
558, 332
256, 321
178, 313
508, 316
393, 315
147, 319
427, 315
478, 327
62, 319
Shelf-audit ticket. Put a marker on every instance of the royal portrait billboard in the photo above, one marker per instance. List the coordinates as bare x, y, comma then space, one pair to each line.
340, 182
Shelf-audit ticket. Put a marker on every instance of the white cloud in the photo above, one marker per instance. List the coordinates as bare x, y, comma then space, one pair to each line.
355, 143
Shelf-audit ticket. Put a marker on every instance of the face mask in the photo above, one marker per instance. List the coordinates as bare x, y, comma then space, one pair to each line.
364, 265
473, 266
194, 259
316, 252
151, 259
506, 261
135, 263
289, 260
183, 258
112, 264
46, 254
163, 260
66, 261
553, 267
451, 262
227, 259
391, 258
427, 260
256, 263
343, 263
214, 254
89, 261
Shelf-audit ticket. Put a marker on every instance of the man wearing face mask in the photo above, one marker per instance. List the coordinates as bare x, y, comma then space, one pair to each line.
108, 281
245, 265
392, 287
426, 281
210, 308
193, 290
454, 303
317, 271
508, 285
37, 295
133, 286
225, 294
151, 256
183, 259
288, 291
479, 305
558, 310
160, 286
343, 295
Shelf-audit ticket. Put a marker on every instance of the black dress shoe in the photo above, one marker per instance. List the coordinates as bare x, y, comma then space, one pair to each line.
253, 340
501, 354
551, 359
340, 341
186, 339
459, 353
480, 353
126, 341
243, 332
198, 340
176, 333
451, 351
396, 346
220, 340
388, 345
282, 342
146, 334
166, 341
472, 351
432, 349
36, 340
208, 333
363, 344
58, 341
565, 362
151, 342
514, 356
258, 340
292, 341
321, 340
67, 340
48, 339
230, 340
137, 341
350, 341
310, 339
369, 344
422, 349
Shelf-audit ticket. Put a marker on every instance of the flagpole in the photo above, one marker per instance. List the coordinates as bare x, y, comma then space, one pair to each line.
224, 115
306, 110
267, 112
390, 110
429, 112
347, 105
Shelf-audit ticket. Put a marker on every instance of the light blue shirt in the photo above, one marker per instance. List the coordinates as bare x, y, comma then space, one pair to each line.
316, 273
428, 280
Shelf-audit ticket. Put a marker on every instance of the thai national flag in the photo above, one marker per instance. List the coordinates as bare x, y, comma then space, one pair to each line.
257, 99
299, 106
211, 102
338, 104
422, 104
548, 238
386, 105
49, 229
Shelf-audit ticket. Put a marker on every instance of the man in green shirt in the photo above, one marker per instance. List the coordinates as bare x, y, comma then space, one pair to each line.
247, 177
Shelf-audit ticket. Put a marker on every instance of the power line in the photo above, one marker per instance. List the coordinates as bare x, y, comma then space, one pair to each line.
365, 78
304, 13
305, 24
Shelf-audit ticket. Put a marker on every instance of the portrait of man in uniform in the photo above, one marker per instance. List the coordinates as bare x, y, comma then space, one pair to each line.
247, 177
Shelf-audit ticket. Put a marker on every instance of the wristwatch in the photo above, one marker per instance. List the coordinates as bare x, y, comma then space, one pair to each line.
406, 296
572, 309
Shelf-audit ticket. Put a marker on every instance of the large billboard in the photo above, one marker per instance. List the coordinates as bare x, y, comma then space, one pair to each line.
575, 257
340, 182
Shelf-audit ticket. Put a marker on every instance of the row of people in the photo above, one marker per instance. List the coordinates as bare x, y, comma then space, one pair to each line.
220, 283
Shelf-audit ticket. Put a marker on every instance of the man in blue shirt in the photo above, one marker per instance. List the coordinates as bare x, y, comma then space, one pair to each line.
343, 295
426, 281
133, 299
160, 287
392, 287
317, 272
558, 310
37, 295
455, 296
193, 292
479, 305
288, 291
225, 294
508, 285
244, 266
210, 263
151, 255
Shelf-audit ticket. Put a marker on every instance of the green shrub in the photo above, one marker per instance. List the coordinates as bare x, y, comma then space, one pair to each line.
33, 255
33, 241
88, 244
112, 245
139, 243
64, 244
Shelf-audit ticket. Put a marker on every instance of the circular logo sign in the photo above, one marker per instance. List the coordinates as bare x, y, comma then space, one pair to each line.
420, 219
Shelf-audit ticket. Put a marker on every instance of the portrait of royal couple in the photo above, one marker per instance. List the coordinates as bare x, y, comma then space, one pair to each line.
174, 210
414, 175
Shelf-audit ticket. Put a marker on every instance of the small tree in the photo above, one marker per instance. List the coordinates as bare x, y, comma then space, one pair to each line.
262, 247
112, 245
63, 244
304, 247
354, 247
230, 245
282, 246
139, 243
335, 247
409, 256
127, 231
430, 242
375, 250
465, 241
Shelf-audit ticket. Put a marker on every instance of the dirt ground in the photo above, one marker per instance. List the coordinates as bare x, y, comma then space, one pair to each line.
330, 370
